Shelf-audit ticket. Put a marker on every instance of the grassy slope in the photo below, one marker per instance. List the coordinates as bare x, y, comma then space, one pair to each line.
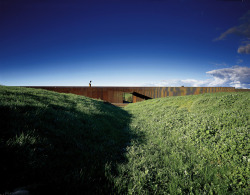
58, 142
192, 145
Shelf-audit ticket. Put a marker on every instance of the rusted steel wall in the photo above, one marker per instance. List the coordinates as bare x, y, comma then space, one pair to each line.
242, 90
115, 94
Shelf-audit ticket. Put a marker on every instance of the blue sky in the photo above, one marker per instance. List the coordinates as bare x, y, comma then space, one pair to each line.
125, 43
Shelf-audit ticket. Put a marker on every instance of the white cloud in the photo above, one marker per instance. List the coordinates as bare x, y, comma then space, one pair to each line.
241, 30
232, 30
236, 76
244, 49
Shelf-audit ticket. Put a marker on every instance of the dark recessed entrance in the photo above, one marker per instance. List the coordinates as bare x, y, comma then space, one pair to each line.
141, 96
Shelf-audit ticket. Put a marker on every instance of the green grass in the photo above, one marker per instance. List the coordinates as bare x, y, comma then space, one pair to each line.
71, 144
128, 97
60, 143
189, 145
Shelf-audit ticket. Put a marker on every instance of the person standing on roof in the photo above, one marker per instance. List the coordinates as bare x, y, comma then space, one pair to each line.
90, 83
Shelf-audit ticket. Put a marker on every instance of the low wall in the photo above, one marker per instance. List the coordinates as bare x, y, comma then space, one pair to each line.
242, 90
115, 94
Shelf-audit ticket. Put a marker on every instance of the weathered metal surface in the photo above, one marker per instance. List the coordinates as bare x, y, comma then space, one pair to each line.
242, 90
115, 94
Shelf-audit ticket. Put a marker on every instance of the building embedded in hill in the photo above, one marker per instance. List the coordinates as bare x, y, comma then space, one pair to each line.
118, 94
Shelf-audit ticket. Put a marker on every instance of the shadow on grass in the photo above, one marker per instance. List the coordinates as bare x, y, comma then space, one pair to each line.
50, 148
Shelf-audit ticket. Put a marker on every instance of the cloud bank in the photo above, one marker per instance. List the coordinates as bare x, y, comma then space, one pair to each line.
236, 76
242, 30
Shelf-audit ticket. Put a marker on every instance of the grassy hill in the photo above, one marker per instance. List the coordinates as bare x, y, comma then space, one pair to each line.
59, 143
70, 144
189, 145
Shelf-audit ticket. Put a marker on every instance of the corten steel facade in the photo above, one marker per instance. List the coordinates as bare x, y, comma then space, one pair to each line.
115, 94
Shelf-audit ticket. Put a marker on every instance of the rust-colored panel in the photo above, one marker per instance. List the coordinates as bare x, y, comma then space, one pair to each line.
111, 96
118, 96
170, 93
134, 99
242, 90
89, 92
165, 92
182, 89
105, 94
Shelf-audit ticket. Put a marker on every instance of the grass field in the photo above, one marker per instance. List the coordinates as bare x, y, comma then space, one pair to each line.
70, 144
189, 145
59, 142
